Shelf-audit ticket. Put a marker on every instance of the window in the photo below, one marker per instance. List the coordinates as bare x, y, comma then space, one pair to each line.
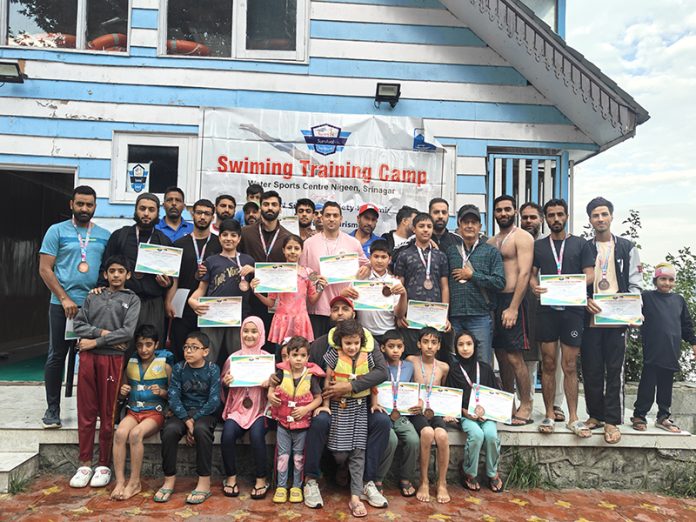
151, 163
245, 29
97, 25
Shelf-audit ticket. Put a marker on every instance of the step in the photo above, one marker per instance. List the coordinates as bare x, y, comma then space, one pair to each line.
17, 467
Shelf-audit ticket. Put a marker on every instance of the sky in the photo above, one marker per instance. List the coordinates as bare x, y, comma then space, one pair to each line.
649, 49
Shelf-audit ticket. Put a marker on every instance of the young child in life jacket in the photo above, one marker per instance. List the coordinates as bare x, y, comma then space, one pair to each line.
292, 404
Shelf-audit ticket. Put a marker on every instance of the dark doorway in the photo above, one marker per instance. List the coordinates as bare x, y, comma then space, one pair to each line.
33, 202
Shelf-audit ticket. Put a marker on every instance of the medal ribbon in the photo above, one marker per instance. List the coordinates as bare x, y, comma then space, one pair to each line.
426, 265
500, 244
476, 388
604, 263
267, 251
429, 387
558, 257
137, 235
84, 243
199, 255
465, 258
395, 385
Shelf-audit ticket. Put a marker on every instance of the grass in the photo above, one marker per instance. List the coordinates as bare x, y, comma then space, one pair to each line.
525, 473
681, 481
18, 484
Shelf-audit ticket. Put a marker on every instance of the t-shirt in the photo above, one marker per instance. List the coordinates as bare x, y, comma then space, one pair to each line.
223, 278
62, 243
577, 255
379, 321
667, 322
185, 228
189, 264
410, 266
604, 249
406, 371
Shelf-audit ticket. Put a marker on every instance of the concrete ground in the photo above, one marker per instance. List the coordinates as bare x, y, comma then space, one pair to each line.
50, 498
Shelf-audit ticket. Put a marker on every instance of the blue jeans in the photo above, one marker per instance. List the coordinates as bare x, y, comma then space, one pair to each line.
482, 328
57, 351
232, 431
479, 434
290, 444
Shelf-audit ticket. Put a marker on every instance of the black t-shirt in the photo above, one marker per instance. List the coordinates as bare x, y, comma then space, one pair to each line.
189, 265
223, 278
576, 256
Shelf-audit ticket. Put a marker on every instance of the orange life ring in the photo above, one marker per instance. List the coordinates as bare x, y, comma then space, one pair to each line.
187, 47
108, 42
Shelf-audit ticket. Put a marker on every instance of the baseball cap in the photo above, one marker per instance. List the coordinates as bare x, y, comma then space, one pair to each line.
340, 298
368, 206
468, 209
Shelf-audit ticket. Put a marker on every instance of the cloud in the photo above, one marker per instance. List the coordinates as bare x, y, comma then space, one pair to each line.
649, 49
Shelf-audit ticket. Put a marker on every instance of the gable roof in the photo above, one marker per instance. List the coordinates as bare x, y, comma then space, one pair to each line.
589, 98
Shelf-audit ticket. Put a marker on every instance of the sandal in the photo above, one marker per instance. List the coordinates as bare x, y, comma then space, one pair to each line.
163, 495
259, 493
547, 426
230, 490
580, 429
495, 484
665, 423
593, 424
357, 510
639, 424
407, 489
471, 483
610, 434
203, 496
558, 414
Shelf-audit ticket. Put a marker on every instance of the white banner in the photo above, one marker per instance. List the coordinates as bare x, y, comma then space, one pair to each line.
351, 159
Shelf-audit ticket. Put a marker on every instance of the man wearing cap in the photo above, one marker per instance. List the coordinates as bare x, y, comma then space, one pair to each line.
126, 242
476, 276
318, 224
378, 424
368, 215
252, 212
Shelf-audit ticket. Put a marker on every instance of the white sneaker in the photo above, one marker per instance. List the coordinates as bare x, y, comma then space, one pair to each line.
373, 496
101, 477
81, 477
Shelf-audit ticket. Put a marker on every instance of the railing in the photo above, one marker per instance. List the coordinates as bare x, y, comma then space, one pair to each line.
516, 22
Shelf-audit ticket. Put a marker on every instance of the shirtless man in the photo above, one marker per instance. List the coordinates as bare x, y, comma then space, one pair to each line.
509, 337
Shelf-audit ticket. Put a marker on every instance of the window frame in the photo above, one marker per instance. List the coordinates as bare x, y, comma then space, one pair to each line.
80, 31
187, 175
238, 36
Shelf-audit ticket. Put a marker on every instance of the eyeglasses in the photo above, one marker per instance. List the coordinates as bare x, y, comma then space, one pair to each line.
205, 213
192, 348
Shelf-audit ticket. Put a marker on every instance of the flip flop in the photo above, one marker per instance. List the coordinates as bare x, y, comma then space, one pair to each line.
259, 493
471, 483
357, 510
639, 424
609, 435
547, 426
594, 424
668, 425
558, 414
164, 495
580, 429
495, 484
234, 487
522, 421
195, 493
405, 486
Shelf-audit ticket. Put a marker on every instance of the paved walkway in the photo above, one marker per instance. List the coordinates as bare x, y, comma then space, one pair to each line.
50, 498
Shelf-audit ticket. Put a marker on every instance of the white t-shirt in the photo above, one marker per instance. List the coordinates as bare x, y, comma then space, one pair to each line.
398, 240
378, 322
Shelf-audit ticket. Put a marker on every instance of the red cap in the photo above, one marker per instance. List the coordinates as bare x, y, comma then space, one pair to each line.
368, 206
340, 298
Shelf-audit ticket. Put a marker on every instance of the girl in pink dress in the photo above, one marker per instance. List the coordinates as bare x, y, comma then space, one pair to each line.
291, 317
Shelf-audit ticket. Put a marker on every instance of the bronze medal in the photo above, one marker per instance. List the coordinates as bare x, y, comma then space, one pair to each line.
247, 402
429, 414
313, 277
394, 415
83, 267
343, 404
603, 284
138, 275
428, 284
243, 285
479, 411
386, 291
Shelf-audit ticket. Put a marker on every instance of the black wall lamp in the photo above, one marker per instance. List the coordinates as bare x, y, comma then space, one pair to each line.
388, 92
10, 72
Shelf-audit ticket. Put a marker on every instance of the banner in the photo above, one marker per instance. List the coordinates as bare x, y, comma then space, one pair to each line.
350, 159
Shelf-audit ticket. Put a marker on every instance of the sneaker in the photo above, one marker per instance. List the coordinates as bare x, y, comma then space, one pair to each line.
373, 496
280, 496
296, 495
101, 477
312, 495
81, 477
51, 419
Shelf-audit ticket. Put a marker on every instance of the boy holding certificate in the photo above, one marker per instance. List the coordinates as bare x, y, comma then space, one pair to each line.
430, 372
403, 431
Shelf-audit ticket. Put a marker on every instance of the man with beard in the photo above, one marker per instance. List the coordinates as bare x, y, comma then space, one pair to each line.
331, 241
404, 228
378, 423
304, 210
368, 215
438, 209
560, 253
224, 208
509, 338
69, 260
252, 212
173, 225
125, 242
197, 247
253, 193
318, 225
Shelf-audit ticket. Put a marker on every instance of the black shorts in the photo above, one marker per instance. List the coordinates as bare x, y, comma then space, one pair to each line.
510, 339
566, 325
420, 421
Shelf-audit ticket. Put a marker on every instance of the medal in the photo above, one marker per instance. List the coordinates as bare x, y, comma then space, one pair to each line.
394, 415
395, 392
429, 414
603, 284
247, 402
83, 267
386, 291
475, 388
138, 275
314, 278
428, 283
343, 404
465, 257
243, 285
604, 267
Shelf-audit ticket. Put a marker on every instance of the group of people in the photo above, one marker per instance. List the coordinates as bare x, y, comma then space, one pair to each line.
330, 358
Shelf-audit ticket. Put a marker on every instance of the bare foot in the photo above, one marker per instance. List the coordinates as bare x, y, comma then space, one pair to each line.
423, 492
131, 490
442, 494
117, 493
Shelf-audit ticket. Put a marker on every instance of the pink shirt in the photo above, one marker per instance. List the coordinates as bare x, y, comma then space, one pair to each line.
234, 409
318, 246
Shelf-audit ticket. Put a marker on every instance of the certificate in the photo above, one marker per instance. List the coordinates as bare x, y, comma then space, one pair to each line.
70, 334
407, 396
497, 404
423, 313
444, 401
291, 224
564, 290
276, 277
222, 312
371, 296
251, 370
158, 259
618, 310
341, 268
